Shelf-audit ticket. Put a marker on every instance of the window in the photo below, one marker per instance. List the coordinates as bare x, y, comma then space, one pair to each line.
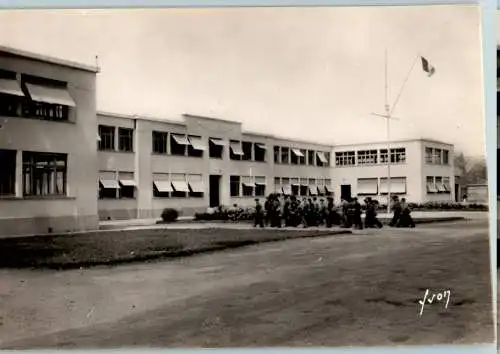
11, 95
248, 186
327, 158
276, 154
321, 159
431, 186
446, 184
446, 157
302, 159
295, 183
260, 186
311, 157
46, 99
161, 185
285, 155
260, 152
397, 185
215, 148
436, 156
106, 138
178, 144
345, 158
367, 186
384, 158
7, 172
277, 185
127, 185
179, 185
160, 142
428, 155
44, 174
294, 158
367, 157
247, 148
398, 155
195, 147
125, 139
196, 186
304, 187
108, 185
234, 182
235, 152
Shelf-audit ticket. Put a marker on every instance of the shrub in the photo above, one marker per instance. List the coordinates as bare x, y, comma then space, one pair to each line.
169, 215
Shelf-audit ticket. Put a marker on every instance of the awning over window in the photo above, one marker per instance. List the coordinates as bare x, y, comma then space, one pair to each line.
197, 186
298, 153
322, 157
262, 146
219, 142
53, 95
10, 87
249, 184
163, 186
440, 187
197, 143
109, 184
128, 183
321, 189
313, 190
368, 186
180, 186
236, 148
447, 186
287, 189
181, 139
431, 188
398, 186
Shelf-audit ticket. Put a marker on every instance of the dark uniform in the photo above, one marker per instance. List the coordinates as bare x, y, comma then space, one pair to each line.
371, 215
276, 211
286, 211
357, 214
396, 208
259, 214
405, 220
267, 207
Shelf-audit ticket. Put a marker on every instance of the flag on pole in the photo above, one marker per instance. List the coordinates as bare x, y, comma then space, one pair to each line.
427, 67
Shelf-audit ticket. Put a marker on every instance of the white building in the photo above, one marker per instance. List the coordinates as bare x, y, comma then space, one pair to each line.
421, 171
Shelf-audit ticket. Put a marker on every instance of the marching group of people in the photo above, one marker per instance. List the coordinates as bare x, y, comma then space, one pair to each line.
307, 212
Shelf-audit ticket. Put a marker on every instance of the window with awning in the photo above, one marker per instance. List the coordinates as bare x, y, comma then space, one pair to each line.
180, 186
321, 189
236, 148
163, 186
109, 184
261, 146
197, 143
218, 142
52, 95
181, 139
10, 87
368, 186
313, 190
298, 153
322, 157
197, 186
446, 184
398, 185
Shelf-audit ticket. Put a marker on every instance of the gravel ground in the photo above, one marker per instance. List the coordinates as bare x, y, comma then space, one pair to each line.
361, 289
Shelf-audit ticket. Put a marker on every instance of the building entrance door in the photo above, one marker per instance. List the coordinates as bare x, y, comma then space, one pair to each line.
345, 191
214, 191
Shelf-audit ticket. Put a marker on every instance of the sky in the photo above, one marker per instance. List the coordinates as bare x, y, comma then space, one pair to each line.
306, 73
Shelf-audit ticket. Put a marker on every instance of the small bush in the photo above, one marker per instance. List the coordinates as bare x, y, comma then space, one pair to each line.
169, 215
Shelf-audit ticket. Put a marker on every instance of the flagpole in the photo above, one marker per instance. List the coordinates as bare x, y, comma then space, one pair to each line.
388, 134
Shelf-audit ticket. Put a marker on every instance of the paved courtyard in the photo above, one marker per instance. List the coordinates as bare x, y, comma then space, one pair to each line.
359, 289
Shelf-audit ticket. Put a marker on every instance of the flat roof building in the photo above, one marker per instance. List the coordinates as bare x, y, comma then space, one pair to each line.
65, 165
47, 144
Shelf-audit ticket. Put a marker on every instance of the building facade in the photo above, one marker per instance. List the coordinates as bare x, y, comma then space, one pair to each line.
47, 145
420, 171
146, 165
64, 165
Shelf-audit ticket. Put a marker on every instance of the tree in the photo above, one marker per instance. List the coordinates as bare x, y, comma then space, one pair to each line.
472, 171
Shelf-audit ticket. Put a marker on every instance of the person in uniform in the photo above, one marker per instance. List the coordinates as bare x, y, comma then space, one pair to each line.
329, 213
405, 219
396, 208
322, 212
358, 224
286, 211
267, 208
276, 213
259, 214
371, 220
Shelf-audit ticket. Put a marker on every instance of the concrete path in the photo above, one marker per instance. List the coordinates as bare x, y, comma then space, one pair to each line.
361, 289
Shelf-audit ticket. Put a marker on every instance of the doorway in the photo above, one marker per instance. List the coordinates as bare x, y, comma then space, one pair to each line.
214, 190
345, 191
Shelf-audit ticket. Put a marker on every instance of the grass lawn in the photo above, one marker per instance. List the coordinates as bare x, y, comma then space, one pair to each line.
114, 247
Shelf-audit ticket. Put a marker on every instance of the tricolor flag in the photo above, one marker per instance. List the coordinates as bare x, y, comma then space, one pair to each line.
427, 67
